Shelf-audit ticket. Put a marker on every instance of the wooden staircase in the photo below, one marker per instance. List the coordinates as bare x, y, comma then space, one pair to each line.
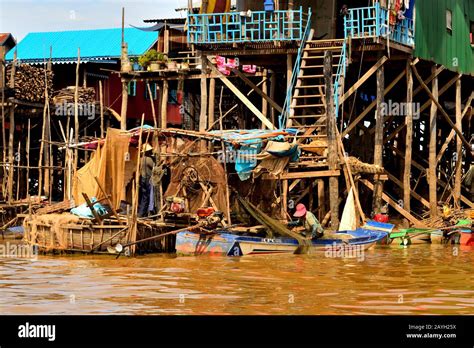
308, 105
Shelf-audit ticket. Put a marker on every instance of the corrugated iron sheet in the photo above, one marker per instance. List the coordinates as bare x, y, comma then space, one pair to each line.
96, 44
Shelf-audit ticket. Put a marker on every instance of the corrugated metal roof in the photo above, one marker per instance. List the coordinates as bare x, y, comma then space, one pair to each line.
94, 43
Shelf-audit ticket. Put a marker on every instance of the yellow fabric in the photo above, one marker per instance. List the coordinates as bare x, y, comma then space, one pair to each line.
113, 165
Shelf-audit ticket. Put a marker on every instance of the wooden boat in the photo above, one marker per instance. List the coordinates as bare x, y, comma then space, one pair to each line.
227, 243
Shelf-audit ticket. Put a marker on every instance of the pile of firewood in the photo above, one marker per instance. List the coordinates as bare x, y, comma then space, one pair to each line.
30, 81
66, 95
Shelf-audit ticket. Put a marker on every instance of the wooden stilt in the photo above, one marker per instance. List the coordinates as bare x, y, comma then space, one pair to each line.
265, 91
101, 97
76, 111
289, 69
433, 198
28, 159
227, 192
203, 113
272, 96
11, 133
164, 105
408, 143
321, 200
332, 141
379, 132
18, 164
458, 170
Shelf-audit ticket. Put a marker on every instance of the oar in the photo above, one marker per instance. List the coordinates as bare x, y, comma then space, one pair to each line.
120, 248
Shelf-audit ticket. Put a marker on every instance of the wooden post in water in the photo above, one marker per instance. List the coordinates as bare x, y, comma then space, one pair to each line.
458, 169
432, 177
408, 142
332, 141
378, 147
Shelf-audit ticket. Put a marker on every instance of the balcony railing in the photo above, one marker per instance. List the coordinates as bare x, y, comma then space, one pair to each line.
250, 26
373, 22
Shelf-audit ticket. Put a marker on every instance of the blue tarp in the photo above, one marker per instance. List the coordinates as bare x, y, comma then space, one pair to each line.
243, 148
84, 211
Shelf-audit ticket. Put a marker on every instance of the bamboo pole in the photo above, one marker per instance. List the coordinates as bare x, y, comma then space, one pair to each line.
432, 186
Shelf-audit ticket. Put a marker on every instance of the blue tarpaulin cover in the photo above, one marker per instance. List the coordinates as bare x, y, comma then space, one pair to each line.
246, 144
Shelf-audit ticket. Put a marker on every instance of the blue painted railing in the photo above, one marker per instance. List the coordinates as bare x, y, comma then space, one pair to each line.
340, 75
250, 26
373, 22
294, 76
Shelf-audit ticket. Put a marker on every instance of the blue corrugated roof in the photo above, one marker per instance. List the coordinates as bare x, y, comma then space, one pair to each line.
96, 43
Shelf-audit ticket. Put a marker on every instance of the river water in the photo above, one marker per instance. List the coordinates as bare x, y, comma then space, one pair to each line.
419, 279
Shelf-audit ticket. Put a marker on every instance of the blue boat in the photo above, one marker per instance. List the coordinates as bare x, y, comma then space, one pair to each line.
226, 243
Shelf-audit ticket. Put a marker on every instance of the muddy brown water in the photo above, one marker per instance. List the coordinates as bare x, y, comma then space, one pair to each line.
419, 279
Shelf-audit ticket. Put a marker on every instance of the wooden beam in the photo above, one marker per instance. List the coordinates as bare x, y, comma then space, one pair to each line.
453, 133
258, 90
373, 104
395, 205
243, 98
424, 106
412, 193
417, 165
306, 175
441, 109
432, 187
364, 78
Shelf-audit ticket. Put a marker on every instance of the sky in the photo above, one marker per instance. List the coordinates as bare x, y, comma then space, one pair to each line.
20, 17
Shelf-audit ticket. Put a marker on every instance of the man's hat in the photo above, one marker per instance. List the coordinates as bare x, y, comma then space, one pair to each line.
300, 210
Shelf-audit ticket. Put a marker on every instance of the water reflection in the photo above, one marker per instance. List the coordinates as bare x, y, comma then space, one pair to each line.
420, 279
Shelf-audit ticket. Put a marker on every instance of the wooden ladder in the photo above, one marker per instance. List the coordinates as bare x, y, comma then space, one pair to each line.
308, 105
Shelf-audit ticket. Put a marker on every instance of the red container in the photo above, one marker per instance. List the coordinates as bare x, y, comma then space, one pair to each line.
381, 218
467, 238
